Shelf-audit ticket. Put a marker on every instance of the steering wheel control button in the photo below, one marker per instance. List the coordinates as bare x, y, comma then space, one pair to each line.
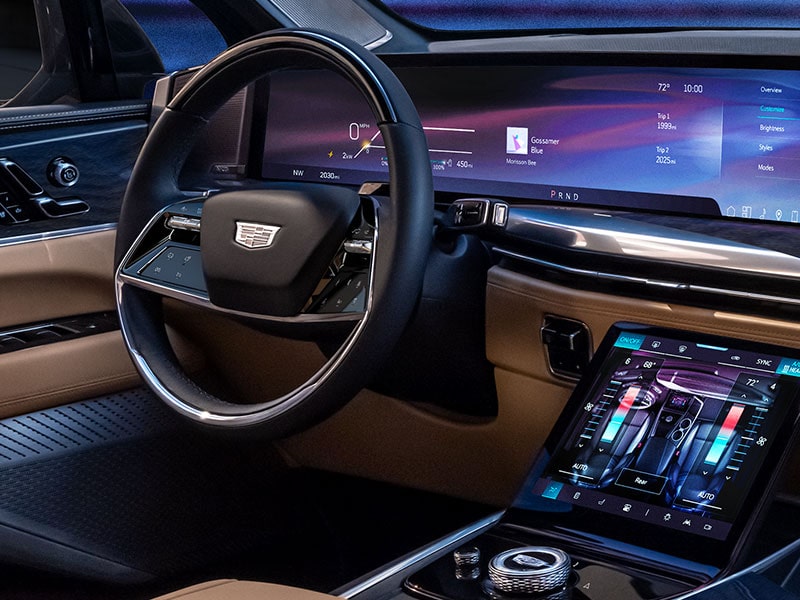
184, 223
177, 266
530, 570
345, 294
358, 246
63, 172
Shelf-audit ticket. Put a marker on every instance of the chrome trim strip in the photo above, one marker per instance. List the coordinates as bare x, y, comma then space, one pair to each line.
563, 268
259, 412
380, 41
602, 233
64, 138
54, 235
199, 299
425, 552
673, 285
746, 295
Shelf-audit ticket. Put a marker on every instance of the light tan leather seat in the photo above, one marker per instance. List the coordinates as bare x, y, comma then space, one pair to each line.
232, 589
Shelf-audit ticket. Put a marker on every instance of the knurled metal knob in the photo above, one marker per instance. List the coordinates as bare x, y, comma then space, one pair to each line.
467, 557
63, 172
530, 570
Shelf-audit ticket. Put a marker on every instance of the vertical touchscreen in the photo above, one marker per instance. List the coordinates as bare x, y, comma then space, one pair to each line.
671, 431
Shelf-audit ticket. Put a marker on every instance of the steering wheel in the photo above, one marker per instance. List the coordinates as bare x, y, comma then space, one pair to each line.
260, 253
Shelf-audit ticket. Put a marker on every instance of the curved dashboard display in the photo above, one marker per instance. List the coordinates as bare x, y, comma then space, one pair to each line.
708, 141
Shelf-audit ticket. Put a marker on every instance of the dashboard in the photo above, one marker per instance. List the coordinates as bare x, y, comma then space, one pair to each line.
671, 441
711, 141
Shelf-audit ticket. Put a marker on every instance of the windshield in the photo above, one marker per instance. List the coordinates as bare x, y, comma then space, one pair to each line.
581, 14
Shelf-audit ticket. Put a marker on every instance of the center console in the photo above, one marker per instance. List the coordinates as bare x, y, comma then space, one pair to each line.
650, 484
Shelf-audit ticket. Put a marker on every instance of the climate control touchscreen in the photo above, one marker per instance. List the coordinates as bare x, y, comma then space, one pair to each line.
671, 430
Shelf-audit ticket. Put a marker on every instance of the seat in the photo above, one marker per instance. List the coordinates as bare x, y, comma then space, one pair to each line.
697, 475
612, 446
233, 589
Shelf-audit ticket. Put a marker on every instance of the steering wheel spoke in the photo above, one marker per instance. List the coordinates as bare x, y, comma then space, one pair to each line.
167, 260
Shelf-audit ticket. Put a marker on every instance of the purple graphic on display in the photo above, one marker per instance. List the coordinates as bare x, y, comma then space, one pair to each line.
728, 135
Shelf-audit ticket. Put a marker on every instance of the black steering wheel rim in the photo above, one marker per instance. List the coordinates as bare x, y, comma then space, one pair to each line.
401, 245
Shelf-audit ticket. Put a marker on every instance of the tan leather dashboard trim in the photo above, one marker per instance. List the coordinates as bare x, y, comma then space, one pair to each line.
385, 439
381, 438
232, 589
517, 304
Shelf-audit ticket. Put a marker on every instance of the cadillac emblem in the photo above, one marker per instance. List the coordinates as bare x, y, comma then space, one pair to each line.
255, 235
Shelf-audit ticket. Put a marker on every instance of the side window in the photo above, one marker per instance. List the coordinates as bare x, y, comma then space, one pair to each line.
20, 53
97, 50
180, 32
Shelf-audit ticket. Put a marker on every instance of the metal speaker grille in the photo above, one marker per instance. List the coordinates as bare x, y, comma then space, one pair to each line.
339, 16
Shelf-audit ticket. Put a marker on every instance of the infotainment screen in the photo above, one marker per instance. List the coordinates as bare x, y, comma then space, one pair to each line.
708, 141
677, 431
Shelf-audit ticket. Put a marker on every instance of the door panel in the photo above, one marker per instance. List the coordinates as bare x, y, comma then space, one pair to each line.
52, 268
55, 278
41, 281
101, 140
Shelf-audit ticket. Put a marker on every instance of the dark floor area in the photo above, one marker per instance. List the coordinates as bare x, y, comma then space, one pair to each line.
121, 485
338, 528
142, 488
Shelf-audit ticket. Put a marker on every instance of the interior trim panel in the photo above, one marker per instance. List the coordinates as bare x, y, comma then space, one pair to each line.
39, 145
602, 232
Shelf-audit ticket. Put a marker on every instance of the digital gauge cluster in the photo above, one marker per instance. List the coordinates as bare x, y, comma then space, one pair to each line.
710, 141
